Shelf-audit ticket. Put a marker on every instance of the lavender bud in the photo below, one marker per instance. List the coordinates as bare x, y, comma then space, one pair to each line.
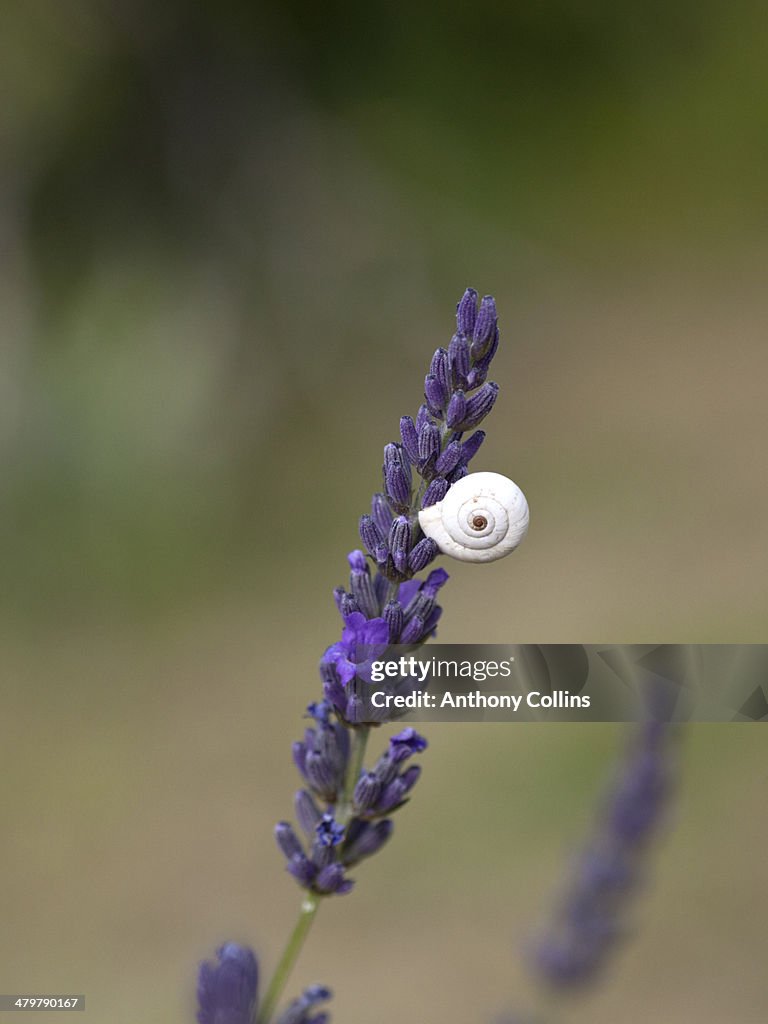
422, 554
410, 438
470, 447
397, 474
395, 455
399, 542
458, 357
436, 491
466, 312
448, 458
385, 769
429, 442
307, 812
485, 326
369, 841
363, 592
480, 404
327, 745
302, 869
398, 485
338, 593
410, 777
412, 632
381, 513
485, 361
392, 796
393, 614
357, 561
370, 534
288, 841
457, 409
422, 418
366, 792
227, 990
321, 856
440, 367
381, 554
321, 776
476, 377
458, 474
436, 394
299, 752
331, 880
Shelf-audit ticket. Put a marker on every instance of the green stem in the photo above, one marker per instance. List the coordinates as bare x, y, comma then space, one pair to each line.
355, 766
291, 952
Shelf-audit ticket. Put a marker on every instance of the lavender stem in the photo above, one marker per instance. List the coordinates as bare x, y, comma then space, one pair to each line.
309, 908
356, 755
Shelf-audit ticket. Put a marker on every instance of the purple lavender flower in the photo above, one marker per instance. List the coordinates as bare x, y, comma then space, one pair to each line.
328, 831
590, 921
358, 632
385, 788
344, 809
226, 991
405, 744
321, 868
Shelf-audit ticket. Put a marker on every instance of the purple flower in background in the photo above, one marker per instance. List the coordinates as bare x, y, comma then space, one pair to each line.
590, 920
226, 991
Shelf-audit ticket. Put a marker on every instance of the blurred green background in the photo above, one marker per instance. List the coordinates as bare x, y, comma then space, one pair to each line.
231, 235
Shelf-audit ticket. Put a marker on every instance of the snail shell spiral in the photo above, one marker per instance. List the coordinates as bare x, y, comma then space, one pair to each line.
484, 516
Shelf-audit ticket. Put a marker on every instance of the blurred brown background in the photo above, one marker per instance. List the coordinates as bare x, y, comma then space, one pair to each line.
230, 237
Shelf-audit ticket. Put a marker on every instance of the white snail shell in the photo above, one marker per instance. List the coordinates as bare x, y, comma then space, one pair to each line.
484, 516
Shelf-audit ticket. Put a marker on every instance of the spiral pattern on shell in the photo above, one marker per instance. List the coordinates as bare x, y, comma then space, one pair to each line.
484, 516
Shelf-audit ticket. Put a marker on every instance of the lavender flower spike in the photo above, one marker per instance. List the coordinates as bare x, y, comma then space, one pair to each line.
344, 807
590, 920
226, 991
